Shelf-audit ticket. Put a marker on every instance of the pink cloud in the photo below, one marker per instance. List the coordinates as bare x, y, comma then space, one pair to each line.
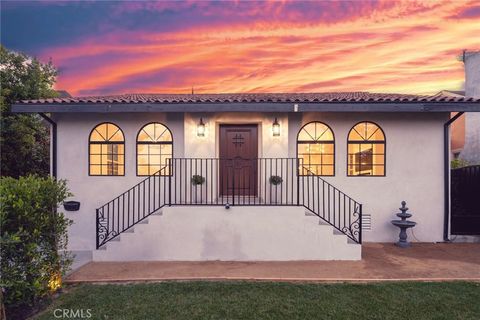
275, 46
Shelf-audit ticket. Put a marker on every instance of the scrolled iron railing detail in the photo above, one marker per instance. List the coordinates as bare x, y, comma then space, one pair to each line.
103, 233
353, 231
102, 227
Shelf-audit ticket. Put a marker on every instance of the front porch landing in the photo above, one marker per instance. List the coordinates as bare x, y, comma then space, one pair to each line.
380, 262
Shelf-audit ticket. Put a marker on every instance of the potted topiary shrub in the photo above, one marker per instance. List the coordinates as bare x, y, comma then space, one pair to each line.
275, 192
276, 180
197, 180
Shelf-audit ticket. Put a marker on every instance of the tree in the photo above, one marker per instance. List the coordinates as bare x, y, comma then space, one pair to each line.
24, 139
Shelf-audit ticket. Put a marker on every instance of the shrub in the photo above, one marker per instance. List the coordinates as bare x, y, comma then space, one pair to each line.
458, 163
33, 238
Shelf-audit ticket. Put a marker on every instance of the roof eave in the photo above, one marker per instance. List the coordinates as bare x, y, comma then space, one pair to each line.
249, 107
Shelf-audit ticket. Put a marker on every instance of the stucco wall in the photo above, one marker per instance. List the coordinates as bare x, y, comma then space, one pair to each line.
414, 169
269, 146
472, 73
237, 234
94, 191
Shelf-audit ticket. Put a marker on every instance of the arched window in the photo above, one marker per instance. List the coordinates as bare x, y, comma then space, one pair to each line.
154, 147
366, 150
316, 149
106, 151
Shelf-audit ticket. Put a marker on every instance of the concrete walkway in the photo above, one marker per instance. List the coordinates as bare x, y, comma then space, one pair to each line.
380, 262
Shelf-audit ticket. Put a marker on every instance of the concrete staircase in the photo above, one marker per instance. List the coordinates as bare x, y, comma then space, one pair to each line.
256, 233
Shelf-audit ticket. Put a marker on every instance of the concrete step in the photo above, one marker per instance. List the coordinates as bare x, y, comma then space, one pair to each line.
199, 233
350, 241
337, 232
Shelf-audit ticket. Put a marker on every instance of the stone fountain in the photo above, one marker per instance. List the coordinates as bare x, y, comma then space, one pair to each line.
403, 224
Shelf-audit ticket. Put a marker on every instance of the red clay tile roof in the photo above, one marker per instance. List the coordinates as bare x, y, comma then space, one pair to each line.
253, 97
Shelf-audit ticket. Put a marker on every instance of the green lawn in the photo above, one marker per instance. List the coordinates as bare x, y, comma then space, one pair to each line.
269, 300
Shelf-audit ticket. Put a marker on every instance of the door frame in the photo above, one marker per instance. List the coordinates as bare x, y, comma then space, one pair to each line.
219, 146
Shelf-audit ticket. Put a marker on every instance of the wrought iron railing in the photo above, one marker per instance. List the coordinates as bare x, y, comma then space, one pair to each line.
331, 205
214, 181
230, 182
131, 207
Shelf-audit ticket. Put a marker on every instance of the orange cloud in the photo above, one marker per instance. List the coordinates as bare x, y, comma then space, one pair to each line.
405, 47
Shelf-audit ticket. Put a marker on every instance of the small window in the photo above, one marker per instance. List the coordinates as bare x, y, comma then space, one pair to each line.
106, 151
316, 149
154, 148
366, 150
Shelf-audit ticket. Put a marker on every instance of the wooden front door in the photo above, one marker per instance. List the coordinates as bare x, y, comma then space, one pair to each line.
238, 159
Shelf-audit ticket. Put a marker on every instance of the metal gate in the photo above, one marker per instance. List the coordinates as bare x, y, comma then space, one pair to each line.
465, 201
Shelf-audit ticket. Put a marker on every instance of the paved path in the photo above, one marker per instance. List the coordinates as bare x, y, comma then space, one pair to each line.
380, 262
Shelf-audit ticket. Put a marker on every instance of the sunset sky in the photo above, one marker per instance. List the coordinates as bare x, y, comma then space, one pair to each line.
105, 47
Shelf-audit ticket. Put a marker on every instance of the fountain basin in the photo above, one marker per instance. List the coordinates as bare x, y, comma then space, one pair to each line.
404, 224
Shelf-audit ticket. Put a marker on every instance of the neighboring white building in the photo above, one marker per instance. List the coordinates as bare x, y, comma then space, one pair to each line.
465, 142
471, 149
336, 156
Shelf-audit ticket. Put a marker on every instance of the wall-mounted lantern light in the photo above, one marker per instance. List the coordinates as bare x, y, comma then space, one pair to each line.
201, 128
276, 128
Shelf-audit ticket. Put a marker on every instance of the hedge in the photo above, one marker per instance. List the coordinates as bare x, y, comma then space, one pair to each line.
33, 239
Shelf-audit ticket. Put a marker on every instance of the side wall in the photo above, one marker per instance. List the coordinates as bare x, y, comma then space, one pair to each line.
414, 166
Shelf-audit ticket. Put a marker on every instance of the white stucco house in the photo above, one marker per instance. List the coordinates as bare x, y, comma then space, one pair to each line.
250, 176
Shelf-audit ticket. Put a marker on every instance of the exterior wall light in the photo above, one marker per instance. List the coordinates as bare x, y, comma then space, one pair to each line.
201, 128
276, 128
